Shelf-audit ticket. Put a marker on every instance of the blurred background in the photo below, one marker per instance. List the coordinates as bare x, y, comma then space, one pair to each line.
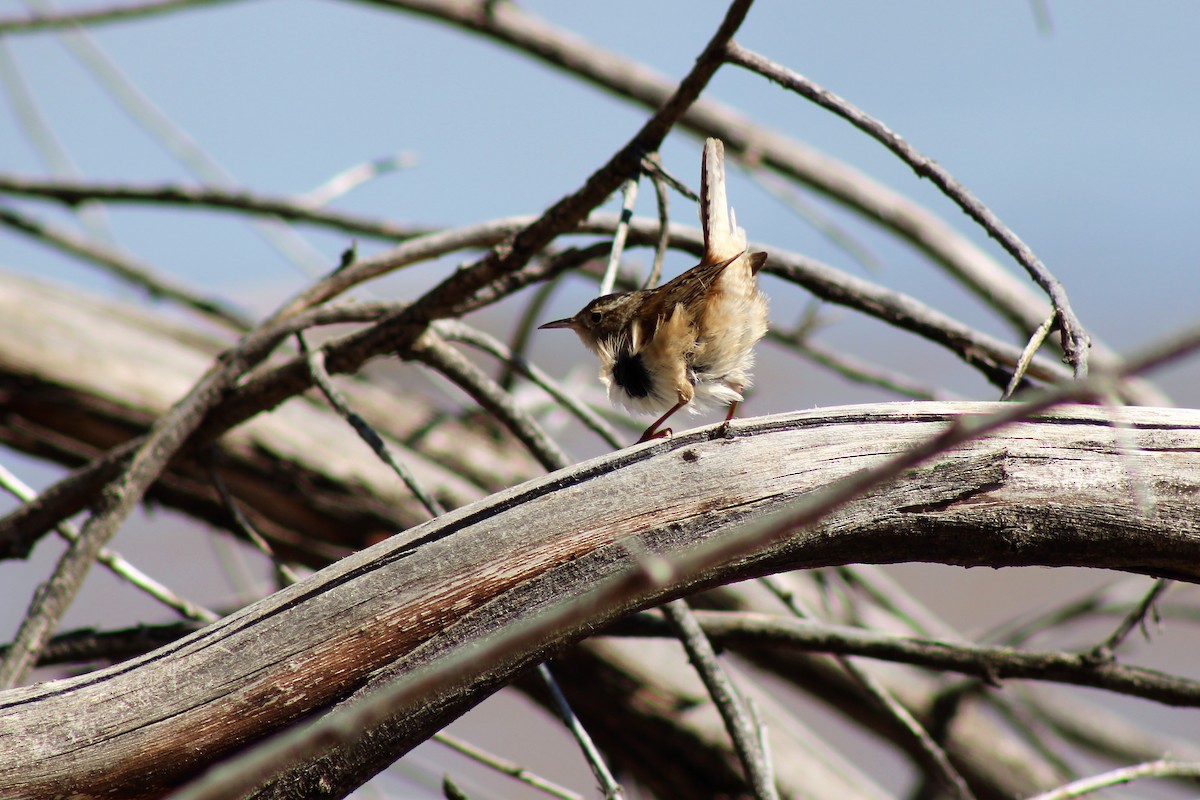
1072, 120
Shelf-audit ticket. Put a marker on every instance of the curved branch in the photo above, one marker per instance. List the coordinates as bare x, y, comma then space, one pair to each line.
127, 268
992, 664
1075, 341
40, 21
1048, 492
291, 208
79, 376
748, 139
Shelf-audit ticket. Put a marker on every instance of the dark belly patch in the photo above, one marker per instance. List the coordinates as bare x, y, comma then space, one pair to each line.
630, 374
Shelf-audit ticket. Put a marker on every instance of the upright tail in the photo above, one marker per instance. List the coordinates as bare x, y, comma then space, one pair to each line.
723, 239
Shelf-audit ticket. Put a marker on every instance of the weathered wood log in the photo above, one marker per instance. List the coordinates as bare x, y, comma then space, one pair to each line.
80, 375
1060, 490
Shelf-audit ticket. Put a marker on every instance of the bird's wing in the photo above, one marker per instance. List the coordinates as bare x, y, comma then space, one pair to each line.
687, 290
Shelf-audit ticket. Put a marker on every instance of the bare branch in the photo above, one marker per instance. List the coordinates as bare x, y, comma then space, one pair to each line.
1075, 340
745, 630
629, 192
316, 365
127, 268
452, 330
293, 209
523, 544
1035, 343
284, 574
1106, 649
747, 138
45, 20
750, 746
115, 562
432, 351
604, 776
1162, 768
937, 761
510, 768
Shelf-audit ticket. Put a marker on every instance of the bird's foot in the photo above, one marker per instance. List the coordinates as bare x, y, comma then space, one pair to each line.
651, 434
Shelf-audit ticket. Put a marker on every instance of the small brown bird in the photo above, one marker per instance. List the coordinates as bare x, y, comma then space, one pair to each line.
688, 343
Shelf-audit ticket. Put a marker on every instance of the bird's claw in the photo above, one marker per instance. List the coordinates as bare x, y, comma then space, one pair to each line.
652, 434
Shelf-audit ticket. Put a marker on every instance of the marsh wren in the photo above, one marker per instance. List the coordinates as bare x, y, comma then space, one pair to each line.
688, 343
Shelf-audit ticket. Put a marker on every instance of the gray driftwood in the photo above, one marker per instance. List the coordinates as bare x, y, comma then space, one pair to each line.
1059, 490
80, 375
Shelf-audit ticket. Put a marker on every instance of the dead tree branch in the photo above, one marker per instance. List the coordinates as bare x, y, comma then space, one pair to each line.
424, 594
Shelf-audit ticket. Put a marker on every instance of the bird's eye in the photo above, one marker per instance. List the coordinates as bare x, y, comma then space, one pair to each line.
596, 317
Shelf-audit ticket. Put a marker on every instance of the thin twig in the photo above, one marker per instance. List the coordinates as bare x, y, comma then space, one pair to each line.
355, 176
450, 790
1022, 716
1017, 631
629, 194
176, 141
1151, 769
856, 369
243, 523
1075, 341
1103, 732
126, 267
80, 646
506, 767
1106, 650
1035, 343
763, 738
41, 136
662, 202
750, 629
883, 591
523, 329
46, 20
729, 702
652, 165
934, 755
315, 358
74, 192
433, 351
455, 331
612, 789
114, 561
1041, 17
823, 223
990, 356
538, 270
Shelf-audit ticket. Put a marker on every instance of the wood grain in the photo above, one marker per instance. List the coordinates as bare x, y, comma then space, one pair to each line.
1056, 491
80, 375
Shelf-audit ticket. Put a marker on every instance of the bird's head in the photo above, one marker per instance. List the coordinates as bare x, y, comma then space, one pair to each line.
604, 319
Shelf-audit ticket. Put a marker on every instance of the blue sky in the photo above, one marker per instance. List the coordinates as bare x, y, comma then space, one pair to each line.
1077, 136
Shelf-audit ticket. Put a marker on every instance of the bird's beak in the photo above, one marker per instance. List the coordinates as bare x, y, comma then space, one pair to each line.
558, 323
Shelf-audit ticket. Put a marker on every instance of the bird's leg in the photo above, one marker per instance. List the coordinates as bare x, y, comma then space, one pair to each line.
729, 417
652, 432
